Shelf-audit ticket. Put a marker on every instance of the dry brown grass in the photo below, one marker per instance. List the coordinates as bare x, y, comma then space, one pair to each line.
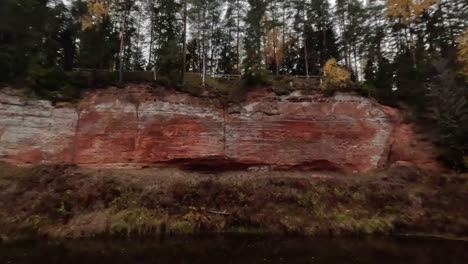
66, 201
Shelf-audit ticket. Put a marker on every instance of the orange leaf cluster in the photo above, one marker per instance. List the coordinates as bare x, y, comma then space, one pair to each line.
407, 10
335, 76
96, 10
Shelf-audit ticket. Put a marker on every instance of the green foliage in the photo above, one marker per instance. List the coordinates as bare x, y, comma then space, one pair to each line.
135, 222
53, 83
321, 39
6, 64
449, 110
169, 62
380, 81
346, 222
167, 30
98, 46
259, 78
253, 38
182, 227
128, 197
224, 89
25, 227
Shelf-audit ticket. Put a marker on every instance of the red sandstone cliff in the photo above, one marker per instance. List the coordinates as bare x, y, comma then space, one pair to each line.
132, 126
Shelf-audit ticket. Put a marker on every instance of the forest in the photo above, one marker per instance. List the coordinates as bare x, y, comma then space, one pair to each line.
404, 53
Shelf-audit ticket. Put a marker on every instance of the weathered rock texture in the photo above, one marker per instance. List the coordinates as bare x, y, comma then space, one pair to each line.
132, 126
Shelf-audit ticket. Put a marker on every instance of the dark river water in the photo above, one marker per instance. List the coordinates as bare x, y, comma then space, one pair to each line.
240, 249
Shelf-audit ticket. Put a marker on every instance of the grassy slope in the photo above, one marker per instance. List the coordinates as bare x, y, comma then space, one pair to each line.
64, 201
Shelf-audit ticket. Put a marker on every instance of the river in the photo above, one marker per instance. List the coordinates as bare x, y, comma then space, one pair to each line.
239, 249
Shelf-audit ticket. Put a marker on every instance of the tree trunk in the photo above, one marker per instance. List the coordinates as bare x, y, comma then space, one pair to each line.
283, 33
413, 48
150, 53
199, 45
122, 43
238, 36
324, 43
449, 22
139, 27
275, 40
228, 68
356, 69
212, 46
306, 55
184, 45
344, 36
265, 54
204, 70
203, 49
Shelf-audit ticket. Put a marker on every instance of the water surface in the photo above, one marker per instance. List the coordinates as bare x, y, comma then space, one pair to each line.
240, 249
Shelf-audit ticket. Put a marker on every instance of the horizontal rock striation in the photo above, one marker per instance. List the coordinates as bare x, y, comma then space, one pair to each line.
132, 126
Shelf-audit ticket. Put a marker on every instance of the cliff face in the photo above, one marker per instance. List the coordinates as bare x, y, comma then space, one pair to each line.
131, 126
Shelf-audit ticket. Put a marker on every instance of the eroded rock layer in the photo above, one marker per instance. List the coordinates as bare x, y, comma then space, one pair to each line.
133, 126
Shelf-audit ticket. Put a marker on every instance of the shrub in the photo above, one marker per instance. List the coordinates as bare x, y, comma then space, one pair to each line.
52, 83
139, 222
46, 78
6, 61
261, 77
335, 76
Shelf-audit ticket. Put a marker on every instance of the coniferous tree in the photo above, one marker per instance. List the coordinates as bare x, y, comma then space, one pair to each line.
253, 37
168, 39
448, 110
323, 35
228, 53
294, 60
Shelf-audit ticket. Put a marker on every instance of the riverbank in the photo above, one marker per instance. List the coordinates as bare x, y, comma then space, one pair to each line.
72, 202
238, 249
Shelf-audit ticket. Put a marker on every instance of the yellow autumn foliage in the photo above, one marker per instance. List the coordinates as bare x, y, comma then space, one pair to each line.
335, 76
407, 10
96, 10
463, 53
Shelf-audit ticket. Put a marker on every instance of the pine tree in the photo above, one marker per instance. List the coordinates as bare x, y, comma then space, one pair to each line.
294, 47
448, 109
273, 45
253, 37
228, 60
324, 36
407, 13
206, 20
167, 28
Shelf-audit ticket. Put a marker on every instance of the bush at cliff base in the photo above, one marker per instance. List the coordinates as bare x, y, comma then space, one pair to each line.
335, 77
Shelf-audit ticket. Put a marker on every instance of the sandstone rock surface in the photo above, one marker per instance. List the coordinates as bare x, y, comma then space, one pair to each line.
132, 126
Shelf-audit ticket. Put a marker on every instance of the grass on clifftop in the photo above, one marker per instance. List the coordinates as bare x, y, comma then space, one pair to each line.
235, 90
71, 86
64, 201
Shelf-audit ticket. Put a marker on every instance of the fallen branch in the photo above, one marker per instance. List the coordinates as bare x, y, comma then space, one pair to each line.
219, 213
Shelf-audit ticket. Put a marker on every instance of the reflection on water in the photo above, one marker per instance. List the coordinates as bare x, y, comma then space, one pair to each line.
240, 249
